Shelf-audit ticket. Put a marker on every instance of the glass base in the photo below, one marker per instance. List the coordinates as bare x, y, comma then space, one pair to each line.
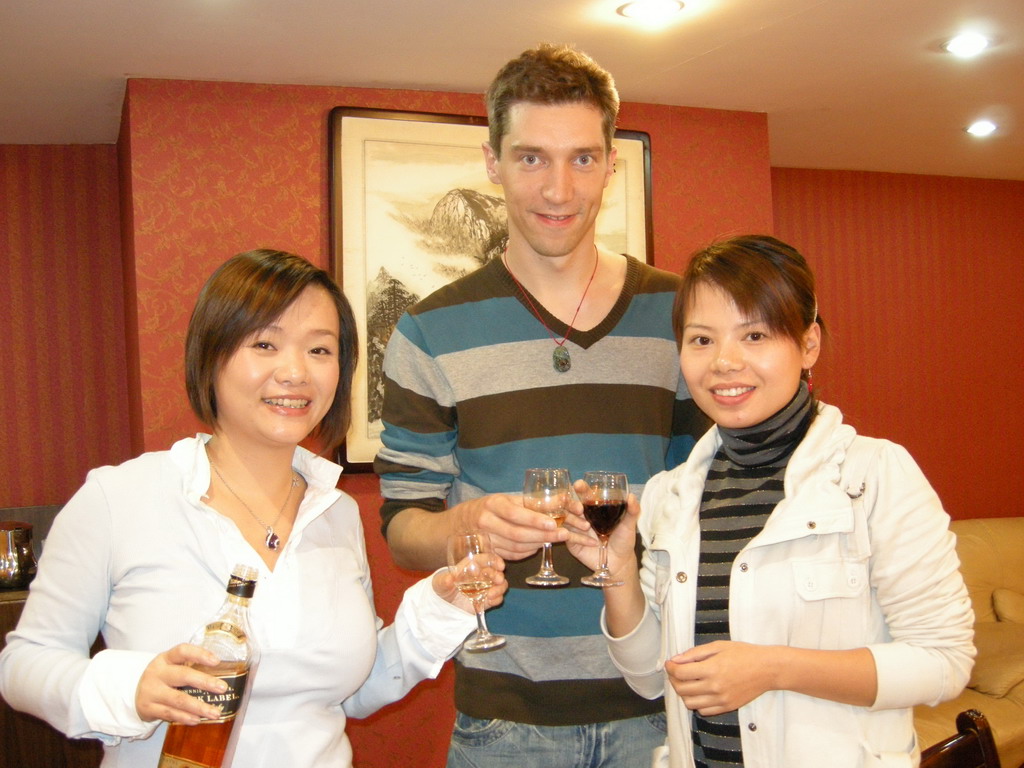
601, 579
486, 642
546, 580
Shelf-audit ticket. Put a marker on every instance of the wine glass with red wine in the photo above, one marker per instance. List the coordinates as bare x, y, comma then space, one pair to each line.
604, 502
548, 491
471, 563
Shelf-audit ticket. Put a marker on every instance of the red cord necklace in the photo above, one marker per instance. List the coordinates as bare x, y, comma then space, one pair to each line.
560, 358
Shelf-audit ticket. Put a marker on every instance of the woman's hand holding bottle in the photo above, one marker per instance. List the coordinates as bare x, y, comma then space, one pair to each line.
158, 695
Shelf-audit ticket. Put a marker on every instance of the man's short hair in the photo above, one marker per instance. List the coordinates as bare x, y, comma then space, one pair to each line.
551, 74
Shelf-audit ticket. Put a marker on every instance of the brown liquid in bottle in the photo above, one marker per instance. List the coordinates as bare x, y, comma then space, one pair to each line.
206, 744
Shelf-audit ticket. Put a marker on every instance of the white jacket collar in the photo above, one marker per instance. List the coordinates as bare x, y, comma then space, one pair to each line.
812, 481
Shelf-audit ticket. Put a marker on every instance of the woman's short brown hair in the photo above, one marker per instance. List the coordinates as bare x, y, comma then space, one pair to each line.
767, 279
247, 293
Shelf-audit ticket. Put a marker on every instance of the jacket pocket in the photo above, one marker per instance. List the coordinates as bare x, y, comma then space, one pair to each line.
827, 579
833, 603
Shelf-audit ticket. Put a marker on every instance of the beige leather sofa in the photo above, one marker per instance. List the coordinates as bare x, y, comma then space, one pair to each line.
992, 560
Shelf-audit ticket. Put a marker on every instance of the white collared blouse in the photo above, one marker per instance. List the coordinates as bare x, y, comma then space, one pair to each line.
139, 557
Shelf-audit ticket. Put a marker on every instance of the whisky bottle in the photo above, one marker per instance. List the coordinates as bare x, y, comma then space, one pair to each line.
206, 745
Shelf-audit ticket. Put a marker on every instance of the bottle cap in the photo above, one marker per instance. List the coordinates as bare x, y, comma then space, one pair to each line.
243, 581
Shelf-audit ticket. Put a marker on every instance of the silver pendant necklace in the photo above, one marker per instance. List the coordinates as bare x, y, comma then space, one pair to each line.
560, 358
273, 541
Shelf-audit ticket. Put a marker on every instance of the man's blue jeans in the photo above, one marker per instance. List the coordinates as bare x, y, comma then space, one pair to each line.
503, 744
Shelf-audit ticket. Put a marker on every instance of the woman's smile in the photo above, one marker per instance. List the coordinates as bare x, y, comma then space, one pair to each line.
278, 385
739, 371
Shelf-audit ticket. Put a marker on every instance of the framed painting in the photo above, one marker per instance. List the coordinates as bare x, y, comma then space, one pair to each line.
412, 209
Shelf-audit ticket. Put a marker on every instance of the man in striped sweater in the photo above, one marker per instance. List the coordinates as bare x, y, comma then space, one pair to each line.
557, 354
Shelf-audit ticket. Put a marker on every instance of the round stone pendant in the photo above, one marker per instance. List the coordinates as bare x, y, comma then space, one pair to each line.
561, 360
273, 541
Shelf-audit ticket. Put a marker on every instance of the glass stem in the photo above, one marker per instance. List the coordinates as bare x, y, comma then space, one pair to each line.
546, 565
604, 554
481, 624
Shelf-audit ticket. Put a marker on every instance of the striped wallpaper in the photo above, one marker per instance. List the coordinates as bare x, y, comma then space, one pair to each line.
920, 281
62, 343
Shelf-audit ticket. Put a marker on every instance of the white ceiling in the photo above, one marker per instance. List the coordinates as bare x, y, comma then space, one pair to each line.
846, 84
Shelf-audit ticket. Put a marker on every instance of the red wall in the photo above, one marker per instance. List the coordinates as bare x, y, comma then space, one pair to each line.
62, 348
920, 281
217, 168
94, 340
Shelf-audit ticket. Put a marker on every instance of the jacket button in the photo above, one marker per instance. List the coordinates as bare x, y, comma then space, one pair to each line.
751, 726
681, 577
812, 525
744, 567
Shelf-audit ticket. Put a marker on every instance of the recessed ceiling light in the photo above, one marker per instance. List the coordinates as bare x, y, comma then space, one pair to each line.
966, 45
981, 128
650, 11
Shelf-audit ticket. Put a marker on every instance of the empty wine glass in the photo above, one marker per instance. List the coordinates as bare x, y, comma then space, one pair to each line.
471, 563
604, 502
548, 491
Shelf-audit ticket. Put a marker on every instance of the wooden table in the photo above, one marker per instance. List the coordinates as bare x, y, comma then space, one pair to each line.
28, 742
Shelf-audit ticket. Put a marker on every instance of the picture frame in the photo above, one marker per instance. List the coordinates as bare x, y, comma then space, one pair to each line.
411, 209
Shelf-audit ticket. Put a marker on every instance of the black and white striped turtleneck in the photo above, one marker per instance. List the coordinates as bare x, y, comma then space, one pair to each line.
743, 486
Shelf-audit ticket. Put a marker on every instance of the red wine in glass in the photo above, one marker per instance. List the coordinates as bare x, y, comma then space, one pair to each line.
604, 503
603, 516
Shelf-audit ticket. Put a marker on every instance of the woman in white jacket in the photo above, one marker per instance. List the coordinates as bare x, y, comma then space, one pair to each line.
142, 552
799, 591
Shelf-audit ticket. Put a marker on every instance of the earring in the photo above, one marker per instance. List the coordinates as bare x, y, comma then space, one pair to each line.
810, 380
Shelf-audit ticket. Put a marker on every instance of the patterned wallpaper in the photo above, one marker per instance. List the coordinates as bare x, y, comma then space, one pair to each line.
204, 170
218, 168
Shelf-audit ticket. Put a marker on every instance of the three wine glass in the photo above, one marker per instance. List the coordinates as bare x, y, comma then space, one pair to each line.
471, 562
604, 502
548, 491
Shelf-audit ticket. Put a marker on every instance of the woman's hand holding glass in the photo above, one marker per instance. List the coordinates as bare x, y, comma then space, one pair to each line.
476, 572
445, 586
614, 553
604, 503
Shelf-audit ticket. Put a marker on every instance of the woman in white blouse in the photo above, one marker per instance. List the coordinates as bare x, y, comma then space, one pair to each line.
142, 552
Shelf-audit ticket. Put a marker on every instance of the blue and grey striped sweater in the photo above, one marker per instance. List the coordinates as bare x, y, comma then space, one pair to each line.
472, 400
